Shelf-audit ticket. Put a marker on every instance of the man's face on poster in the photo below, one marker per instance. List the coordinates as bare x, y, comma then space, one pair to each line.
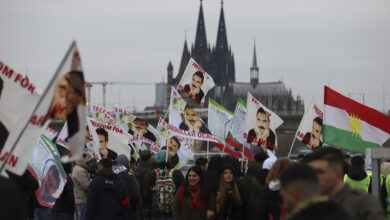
49, 182
262, 121
102, 141
191, 116
62, 87
196, 82
173, 145
140, 127
316, 131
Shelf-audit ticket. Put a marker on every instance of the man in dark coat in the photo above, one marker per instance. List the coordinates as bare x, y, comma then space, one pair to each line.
107, 195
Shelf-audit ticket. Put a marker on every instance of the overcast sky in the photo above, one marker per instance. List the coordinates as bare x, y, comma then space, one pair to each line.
306, 44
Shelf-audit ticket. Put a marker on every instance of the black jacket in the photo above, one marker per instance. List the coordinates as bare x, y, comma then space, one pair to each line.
107, 198
65, 203
132, 192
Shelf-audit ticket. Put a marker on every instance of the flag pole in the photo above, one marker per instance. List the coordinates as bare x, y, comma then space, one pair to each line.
295, 136
36, 107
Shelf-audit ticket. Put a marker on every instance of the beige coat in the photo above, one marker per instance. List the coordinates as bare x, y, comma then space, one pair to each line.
81, 180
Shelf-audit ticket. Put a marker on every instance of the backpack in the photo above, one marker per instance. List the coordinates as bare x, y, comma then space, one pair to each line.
164, 190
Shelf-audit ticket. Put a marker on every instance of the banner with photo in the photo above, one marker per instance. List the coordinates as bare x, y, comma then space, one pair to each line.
144, 135
109, 141
310, 129
62, 100
237, 128
195, 82
176, 146
46, 167
18, 97
89, 148
103, 115
184, 121
219, 120
260, 124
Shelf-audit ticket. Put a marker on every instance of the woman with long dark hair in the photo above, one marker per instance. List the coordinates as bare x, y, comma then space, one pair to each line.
230, 199
191, 199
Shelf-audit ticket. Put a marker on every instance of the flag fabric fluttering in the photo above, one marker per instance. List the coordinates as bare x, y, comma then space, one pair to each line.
63, 100
352, 126
196, 82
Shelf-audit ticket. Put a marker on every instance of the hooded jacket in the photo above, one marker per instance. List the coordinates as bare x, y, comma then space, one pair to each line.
81, 180
271, 205
107, 198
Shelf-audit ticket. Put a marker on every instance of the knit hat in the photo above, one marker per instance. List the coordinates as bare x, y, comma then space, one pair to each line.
123, 160
160, 157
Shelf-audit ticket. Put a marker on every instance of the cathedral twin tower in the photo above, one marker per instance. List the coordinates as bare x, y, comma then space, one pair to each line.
217, 61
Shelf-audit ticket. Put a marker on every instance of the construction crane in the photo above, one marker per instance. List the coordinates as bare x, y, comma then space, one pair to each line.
104, 84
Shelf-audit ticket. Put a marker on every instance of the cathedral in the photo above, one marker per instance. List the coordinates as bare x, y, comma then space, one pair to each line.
218, 61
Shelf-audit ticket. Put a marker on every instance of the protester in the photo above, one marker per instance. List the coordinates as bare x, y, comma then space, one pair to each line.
12, 203
254, 186
121, 169
27, 185
270, 200
191, 199
81, 177
357, 177
107, 195
64, 206
328, 164
229, 201
143, 168
159, 179
302, 199
202, 163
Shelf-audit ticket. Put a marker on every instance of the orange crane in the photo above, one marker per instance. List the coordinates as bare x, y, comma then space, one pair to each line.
104, 84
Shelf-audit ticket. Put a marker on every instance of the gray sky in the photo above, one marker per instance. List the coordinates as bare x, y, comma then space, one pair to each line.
307, 44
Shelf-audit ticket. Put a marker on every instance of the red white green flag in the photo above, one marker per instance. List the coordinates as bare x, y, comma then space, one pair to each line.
351, 125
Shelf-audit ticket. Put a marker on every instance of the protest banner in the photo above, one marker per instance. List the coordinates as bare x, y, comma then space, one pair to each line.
260, 125
175, 145
195, 82
310, 129
103, 115
13, 117
62, 100
219, 120
109, 140
144, 135
46, 168
184, 121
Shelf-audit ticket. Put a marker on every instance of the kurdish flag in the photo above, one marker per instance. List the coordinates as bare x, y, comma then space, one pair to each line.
351, 125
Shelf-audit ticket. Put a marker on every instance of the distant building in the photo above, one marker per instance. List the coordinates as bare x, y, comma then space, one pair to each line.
218, 61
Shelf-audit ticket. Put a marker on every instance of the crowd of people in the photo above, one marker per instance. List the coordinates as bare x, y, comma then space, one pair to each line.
325, 184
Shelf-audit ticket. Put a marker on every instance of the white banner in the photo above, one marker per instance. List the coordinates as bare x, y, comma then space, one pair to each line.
238, 124
310, 129
144, 135
18, 97
260, 124
103, 115
184, 121
46, 168
219, 120
109, 140
63, 99
176, 145
195, 81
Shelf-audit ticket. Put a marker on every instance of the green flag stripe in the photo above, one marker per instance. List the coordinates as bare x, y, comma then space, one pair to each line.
346, 140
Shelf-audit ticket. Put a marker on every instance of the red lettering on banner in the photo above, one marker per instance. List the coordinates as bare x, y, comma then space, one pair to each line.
8, 72
13, 160
318, 111
300, 134
35, 120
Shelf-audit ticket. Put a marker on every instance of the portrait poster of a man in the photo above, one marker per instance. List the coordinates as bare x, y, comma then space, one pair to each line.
310, 129
195, 82
260, 125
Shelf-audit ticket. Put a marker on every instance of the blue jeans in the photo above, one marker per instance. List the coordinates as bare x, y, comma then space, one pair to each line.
81, 210
42, 213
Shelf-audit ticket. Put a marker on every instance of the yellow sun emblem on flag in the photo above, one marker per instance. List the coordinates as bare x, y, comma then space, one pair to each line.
355, 125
